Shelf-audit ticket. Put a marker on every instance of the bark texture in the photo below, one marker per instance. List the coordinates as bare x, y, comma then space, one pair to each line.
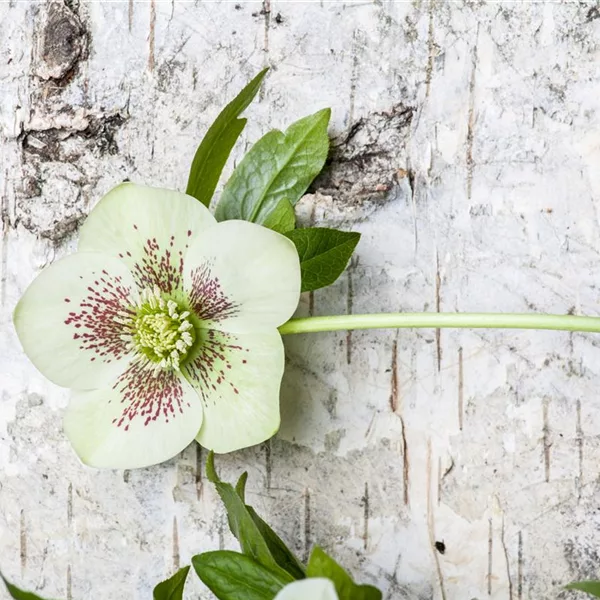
446, 465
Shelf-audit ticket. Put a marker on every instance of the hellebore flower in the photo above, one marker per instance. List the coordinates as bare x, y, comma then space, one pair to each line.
164, 324
316, 588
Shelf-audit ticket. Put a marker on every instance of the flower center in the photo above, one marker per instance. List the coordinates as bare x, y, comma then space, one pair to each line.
162, 332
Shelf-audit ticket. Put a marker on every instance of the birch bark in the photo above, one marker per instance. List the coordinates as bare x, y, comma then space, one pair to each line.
448, 465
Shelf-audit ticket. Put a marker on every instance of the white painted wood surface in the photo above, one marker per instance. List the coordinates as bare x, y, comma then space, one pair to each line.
472, 172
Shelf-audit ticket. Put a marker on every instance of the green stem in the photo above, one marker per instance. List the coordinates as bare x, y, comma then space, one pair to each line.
441, 320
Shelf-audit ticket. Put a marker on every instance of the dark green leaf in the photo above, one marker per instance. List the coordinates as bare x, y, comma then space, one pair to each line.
284, 557
18, 594
243, 530
322, 565
590, 587
211, 472
240, 486
242, 525
233, 576
282, 218
172, 588
215, 148
280, 165
324, 254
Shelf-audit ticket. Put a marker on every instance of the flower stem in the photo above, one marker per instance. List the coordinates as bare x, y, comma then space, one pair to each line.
441, 320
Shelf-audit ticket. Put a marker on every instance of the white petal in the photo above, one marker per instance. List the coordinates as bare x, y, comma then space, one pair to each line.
315, 588
147, 228
238, 377
71, 320
146, 418
242, 277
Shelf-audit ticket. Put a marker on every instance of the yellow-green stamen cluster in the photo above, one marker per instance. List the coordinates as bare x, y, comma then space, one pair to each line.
162, 333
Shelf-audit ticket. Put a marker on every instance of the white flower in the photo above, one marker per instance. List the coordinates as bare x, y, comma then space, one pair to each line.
316, 588
164, 324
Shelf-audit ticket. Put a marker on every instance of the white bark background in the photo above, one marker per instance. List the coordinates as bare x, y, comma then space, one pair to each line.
468, 155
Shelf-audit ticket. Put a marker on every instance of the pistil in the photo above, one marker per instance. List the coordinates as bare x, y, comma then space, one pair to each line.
162, 333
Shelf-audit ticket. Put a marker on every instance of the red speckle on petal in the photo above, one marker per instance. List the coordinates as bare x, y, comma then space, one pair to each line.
207, 299
210, 369
158, 267
148, 395
98, 318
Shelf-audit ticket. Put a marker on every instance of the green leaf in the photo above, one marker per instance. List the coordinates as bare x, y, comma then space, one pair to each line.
590, 587
324, 254
215, 148
211, 472
242, 525
172, 588
322, 565
284, 557
248, 527
280, 165
282, 218
18, 594
240, 486
233, 576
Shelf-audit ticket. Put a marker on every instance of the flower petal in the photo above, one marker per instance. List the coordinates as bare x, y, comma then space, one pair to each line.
237, 377
147, 417
70, 320
315, 588
147, 228
242, 277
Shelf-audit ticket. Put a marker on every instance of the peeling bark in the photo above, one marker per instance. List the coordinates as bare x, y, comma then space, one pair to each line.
465, 150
